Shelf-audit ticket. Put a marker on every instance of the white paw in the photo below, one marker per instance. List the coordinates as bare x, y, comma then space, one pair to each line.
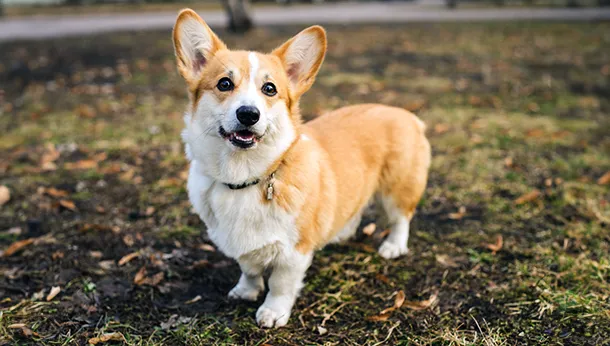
245, 292
389, 250
269, 318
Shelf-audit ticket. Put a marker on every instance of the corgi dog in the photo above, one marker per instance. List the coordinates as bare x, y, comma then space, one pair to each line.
271, 189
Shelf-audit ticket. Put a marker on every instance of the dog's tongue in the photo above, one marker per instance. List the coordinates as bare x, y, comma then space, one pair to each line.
244, 135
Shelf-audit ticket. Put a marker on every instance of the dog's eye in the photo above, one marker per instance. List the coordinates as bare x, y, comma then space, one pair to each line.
225, 84
269, 89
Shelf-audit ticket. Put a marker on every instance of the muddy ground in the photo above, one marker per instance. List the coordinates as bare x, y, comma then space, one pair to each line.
510, 245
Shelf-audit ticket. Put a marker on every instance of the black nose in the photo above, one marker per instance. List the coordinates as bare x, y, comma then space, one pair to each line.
248, 115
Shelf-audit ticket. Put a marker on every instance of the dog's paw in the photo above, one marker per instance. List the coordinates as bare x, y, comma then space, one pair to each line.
389, 250
245, 292
269, 318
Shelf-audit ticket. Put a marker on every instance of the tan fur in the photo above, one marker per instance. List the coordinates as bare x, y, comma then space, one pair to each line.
353, 152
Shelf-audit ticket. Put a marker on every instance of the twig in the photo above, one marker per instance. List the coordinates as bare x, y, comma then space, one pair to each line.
389, 334
327, 317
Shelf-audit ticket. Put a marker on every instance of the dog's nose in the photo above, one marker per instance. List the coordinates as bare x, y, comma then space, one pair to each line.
248, 115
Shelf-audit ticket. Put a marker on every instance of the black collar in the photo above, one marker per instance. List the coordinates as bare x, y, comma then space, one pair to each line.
242, 185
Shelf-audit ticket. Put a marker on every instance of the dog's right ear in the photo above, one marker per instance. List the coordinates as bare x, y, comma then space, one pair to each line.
194, 44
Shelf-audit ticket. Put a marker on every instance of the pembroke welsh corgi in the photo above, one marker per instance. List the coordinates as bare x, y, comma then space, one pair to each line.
272, 190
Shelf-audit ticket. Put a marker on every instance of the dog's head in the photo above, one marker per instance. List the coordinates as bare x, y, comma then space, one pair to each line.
244, 105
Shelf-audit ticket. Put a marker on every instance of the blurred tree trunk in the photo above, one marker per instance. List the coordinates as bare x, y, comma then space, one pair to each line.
240, 19
451, 3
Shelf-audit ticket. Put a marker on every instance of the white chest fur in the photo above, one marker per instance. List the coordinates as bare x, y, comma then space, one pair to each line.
238, 221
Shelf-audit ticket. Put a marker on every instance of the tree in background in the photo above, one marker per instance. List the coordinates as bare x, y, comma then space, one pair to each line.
240, 19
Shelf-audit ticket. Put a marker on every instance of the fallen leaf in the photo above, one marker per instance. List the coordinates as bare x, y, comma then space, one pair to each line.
603, 180
528, 197
49, 156
100, 157
459, 215
100, 209
149, 211
508, 161
53, 192
82, 164
54, 292
116, 336
67, 204
424, 304
16, 246
128, 240
369, 229
140, 276
399, 299
85, 111
441, 128
379, 318
5, 195
446, 261
194, 300
106, 265
322, 330
497, 246
154, 280
127, 258
207, 247
535, 133
382, 278
24, 329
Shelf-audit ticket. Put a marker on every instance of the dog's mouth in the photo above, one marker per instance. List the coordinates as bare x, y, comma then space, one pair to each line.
242, 139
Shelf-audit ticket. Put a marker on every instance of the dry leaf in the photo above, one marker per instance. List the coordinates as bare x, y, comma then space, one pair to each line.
127, 258
508, 161
383, 278
140, 276
53, 192
446, 261
128, 240
528, 197
379, 318
154, 280
399, 299
96, 254
424, 304
5, 195
149, 211
16, 246
459, 215
54, 291
322, 330
100, 157
441, 128
603, 180
100, 209
207, 247
116, 336
24, 329
497, 246
50, 155
194, 300
369, 229
82, 164
67, 204
85, 111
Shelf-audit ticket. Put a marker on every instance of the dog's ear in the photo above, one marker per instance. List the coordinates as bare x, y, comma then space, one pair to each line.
194, 43
302, 57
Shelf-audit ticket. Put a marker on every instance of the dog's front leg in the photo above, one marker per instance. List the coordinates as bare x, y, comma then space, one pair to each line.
285, 283
250, 283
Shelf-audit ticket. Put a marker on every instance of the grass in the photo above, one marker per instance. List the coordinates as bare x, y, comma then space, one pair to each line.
517, 115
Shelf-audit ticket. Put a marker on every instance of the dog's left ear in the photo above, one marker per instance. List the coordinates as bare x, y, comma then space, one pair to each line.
302, 57
194, 43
